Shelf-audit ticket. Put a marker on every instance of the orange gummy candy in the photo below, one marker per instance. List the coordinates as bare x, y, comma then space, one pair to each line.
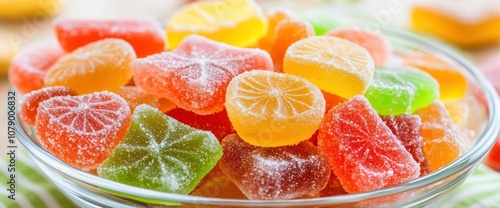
287, 33
443, 139
102, 65
274, 17
452, 83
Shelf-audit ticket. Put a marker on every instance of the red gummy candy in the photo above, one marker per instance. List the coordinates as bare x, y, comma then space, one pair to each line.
365, 154
29, 103
333, 188
217, 123
493, 158
145, 36
285, 172
407, 129
82, 130
29, 66
196, 74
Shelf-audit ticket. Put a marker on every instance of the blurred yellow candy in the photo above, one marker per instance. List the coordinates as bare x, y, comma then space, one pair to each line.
455, 31
7, 52
17, 9
235, 22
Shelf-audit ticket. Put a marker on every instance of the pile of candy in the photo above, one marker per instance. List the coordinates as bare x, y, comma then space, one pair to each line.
245, 100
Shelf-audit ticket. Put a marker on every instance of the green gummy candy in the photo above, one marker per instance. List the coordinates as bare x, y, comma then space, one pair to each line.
399, 90
162, 154
322, 20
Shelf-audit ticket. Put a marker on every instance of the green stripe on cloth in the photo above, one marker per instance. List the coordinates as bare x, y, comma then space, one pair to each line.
32, 187
32, 196
36, 178
483, 184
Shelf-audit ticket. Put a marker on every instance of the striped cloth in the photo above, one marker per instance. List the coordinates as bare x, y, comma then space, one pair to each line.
481, 190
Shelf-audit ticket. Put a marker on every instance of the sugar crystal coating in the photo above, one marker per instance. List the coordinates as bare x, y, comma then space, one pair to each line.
443, 139
333, 64
399, 90
406, 127
145, 35
285, 172
98, 66
29, 66
379, 48
82, 130
162, 154
273, 109
365, 154
195, 75
30, 102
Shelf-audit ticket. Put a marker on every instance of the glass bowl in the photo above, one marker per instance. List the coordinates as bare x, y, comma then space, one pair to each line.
88, 190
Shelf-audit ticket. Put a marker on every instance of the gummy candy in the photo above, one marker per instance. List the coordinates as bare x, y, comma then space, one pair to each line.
274, 17
29, 66
217, 123
378, 47
102, 65
134, 97
145, 35
221, 187
335, 65
333, 188
406, 127
462, 33
364, 153
493, 157
324, 20
285, 172
452, 83
195, 75
332, 100
287, 33
82, 130
399, 90
443, 139
273, 109
160, 153
235, 22
30, 102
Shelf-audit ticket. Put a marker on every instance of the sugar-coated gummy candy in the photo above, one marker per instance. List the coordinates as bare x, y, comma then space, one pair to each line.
272, 109
377, 45
135, 97
162, 154
364, 153
274, 17
145, 35
30, 102
399, 90
195, 75
323, 20
29, 66
452, 83
288, 32
443, 140
406, 127
235, 22
82, 130
285, 172
98, 66
333, 188
335, 65
332, 100
217, 123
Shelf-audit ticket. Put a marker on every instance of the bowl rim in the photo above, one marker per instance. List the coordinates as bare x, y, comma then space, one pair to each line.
476, 153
